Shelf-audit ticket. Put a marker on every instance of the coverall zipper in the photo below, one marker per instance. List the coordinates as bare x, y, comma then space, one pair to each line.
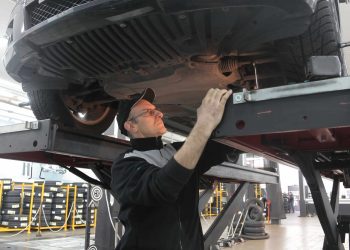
180, 227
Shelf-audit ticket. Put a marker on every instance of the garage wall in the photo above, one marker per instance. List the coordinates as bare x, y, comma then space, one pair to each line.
26, 172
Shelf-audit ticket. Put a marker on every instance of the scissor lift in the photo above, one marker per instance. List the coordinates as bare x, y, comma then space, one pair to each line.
45, 142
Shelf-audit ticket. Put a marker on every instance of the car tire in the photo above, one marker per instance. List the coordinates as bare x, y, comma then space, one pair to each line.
255, 236
253, 201
11, 199
49, 104
255, 213
254, 230
320, 39
253, 223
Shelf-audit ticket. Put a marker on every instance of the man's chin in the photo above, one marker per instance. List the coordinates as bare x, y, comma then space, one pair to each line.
164, 131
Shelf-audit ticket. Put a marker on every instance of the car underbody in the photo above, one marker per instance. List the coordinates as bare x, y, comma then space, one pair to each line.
179, 49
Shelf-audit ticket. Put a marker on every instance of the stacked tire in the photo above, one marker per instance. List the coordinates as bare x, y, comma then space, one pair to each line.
10, 210
58, 210
46, 205
59, 200
86, 204
6, 184
254, 226
80, 203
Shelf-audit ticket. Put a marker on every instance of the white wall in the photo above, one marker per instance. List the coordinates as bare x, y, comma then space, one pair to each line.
289, 177
20, 171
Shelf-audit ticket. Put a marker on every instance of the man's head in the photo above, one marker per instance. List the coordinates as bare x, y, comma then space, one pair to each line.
138, 117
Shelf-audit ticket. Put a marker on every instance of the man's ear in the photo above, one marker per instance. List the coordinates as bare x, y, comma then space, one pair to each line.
129, 126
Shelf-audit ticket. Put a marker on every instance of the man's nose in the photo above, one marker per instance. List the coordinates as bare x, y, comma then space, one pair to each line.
158, 114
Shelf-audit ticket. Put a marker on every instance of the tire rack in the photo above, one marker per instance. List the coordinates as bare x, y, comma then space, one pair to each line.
30, 217
7, 229
39, 228
73, 224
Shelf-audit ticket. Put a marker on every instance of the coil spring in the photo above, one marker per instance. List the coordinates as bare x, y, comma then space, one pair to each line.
228, 64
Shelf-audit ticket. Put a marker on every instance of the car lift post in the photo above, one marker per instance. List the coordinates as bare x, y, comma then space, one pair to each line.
106, 234
334, 201
88, 219
323, 208
302, 204
275, 194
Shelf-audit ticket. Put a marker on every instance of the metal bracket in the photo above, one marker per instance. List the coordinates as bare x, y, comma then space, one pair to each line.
300, 89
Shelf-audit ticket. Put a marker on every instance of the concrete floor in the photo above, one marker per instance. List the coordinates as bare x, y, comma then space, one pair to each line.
294, 233
67, 240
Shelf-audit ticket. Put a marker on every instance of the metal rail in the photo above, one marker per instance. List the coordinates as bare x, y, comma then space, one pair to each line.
44, 142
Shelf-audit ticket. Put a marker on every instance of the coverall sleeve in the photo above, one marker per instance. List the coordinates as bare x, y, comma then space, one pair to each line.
135, 181
214, 153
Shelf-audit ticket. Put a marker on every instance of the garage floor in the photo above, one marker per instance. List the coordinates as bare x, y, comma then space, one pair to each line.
69, 240
293, 233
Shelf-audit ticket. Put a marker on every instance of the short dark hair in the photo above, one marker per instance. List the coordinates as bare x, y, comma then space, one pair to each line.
125, 107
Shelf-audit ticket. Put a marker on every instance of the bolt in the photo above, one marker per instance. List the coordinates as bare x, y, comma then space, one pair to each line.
238, 98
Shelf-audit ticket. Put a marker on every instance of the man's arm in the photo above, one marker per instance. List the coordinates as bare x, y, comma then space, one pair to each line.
209, 115
135, 181
214, 154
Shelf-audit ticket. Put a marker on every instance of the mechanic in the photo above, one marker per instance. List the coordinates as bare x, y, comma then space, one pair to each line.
157, 185
291, 202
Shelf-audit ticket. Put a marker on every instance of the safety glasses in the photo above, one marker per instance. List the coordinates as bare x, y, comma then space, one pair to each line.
146, 112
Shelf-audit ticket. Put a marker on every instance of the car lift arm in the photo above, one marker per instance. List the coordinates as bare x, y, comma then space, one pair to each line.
305, 124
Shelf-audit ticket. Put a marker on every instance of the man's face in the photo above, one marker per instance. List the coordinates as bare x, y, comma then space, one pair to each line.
144, 121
